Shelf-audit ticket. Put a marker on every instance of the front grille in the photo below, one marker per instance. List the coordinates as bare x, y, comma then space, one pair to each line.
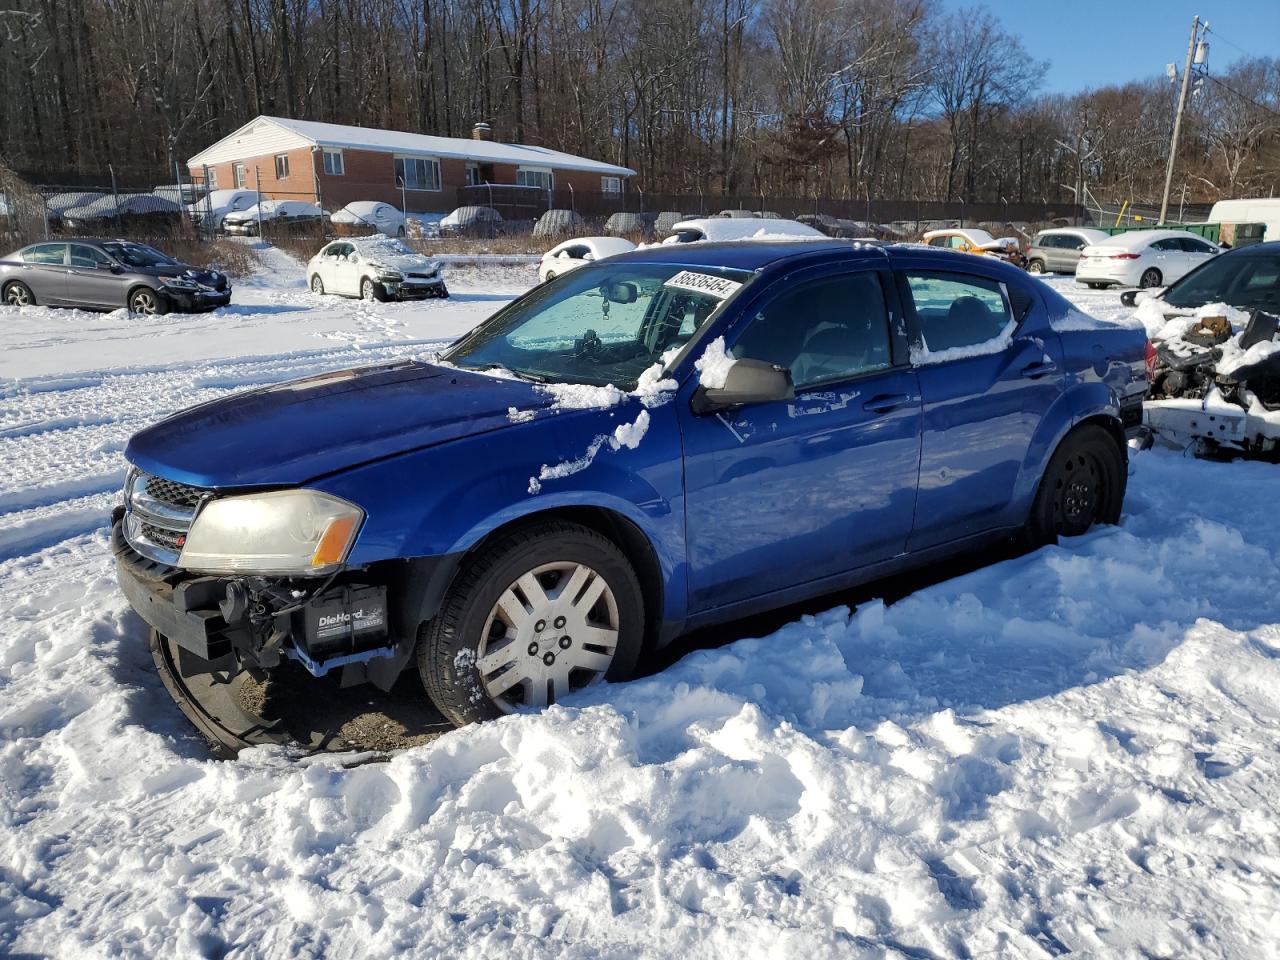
171, 492
158, 515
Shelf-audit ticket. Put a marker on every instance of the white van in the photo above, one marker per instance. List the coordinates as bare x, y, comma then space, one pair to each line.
1263, 210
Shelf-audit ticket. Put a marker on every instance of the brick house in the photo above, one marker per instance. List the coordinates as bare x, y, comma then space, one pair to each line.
335, 164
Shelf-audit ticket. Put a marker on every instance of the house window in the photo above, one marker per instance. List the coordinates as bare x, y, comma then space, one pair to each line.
241, 175
282, 167
534, 177
210, 178
473, 175
610, 184
333, 163
418, 173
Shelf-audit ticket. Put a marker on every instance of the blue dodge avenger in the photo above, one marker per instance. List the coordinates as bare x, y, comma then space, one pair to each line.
652, 443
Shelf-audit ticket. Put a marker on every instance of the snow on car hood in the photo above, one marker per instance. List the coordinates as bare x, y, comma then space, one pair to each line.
293, 432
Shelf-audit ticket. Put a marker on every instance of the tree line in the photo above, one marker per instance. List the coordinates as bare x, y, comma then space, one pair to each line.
834, 98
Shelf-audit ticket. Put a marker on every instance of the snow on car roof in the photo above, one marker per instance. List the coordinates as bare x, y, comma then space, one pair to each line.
974, 235
362, 208
741, 228
271, 208
605, 246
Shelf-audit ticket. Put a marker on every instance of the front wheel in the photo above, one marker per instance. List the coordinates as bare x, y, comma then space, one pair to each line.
18, 295
1150, 278
551, 275
371, 291
317, 285
1083, 484
536, 615
146, 301
1035, 266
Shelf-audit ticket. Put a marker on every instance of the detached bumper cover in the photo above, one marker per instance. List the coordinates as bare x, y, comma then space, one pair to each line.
1184, 421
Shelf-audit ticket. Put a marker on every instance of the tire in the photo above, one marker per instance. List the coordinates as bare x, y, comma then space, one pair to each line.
1036, 266
400, 233
1150, 278
443, 294
551, 275
19, 295
144, 300
1083, 484
484, 655
372, 291
1097, 286
317, 285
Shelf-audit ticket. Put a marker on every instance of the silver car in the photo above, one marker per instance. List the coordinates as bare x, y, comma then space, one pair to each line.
108, 275
1058, 250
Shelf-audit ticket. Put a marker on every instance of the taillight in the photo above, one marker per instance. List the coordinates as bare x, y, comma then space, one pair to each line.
1150, 358
1124, 256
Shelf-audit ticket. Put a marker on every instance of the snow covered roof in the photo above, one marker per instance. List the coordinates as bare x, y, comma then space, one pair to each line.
266, 135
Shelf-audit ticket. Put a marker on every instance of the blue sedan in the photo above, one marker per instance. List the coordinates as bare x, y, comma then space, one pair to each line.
656, 442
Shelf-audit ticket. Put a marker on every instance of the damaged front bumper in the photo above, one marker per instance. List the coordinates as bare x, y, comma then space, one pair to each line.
1185, 423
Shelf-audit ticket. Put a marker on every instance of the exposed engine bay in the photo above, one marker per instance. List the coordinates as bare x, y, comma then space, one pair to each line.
1216, 384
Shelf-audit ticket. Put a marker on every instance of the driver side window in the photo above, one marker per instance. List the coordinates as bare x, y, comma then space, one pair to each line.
824, 330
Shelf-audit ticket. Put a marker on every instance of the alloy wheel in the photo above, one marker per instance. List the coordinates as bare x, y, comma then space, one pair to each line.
366, 290
1035, 267
144, 301
317, 285
17, 296
1150, 278
554, 630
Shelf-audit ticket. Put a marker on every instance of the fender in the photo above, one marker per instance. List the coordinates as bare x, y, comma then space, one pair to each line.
1078, 402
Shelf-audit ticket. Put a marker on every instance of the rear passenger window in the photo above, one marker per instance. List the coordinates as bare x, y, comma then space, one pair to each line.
823, 330
45, 253
960, 312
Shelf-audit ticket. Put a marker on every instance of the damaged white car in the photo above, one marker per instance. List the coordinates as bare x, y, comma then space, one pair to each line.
1215, 385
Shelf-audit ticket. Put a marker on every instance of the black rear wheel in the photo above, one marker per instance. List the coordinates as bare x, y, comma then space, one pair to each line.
1084, 484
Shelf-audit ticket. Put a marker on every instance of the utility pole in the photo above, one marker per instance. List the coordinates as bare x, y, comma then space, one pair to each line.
1177, 118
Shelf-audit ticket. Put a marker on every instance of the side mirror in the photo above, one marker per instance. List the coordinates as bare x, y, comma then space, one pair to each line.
746, 381
1129, 298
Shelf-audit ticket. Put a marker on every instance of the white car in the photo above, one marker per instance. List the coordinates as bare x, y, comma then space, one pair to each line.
217, 204
281, 212
383, 217
375, 268
572, 254
1143, 258
740, 228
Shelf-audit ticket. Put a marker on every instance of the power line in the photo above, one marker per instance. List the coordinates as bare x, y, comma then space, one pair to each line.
1229, 43
1247, 99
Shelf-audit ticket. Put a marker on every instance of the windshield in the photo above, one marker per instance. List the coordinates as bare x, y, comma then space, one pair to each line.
601, 324
137, 254
1241, 281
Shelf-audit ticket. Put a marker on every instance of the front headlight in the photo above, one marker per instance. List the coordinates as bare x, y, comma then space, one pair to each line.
179, 283
292, 533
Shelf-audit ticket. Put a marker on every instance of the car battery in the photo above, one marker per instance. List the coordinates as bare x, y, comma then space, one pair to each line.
345, 620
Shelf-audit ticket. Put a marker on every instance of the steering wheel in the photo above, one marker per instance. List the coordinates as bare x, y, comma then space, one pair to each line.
589, 346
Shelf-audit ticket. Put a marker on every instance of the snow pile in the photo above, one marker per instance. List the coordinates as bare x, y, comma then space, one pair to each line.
713, 366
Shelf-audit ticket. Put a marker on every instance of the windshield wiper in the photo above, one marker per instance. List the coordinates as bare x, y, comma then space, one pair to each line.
494, 365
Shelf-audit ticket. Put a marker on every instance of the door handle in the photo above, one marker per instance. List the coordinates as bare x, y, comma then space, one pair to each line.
1040, 368
885, 402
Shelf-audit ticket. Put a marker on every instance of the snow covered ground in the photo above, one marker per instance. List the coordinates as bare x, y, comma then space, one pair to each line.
1071, 751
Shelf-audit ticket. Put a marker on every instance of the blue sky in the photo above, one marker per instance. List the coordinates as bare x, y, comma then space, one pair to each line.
1092, 43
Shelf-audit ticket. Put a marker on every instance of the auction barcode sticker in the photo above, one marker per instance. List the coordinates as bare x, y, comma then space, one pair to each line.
720, 287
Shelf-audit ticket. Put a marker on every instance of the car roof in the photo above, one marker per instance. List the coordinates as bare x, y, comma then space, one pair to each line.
733, 228
1142, 238
1090, 231
1267, 249
754, 255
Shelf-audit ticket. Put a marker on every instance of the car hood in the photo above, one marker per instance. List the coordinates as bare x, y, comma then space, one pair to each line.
293, 432
404, 263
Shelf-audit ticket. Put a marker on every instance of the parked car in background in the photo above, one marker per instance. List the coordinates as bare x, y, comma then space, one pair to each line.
211, 209
1058, 250
1143, 258
558, 223
627, 224
572, 254
472, 221
370, 215
837, 414
126, 212
738, 228
838, 227
108, 275
56, 204
375, 268
276, 214
1247, 278
184, 195
977, 241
